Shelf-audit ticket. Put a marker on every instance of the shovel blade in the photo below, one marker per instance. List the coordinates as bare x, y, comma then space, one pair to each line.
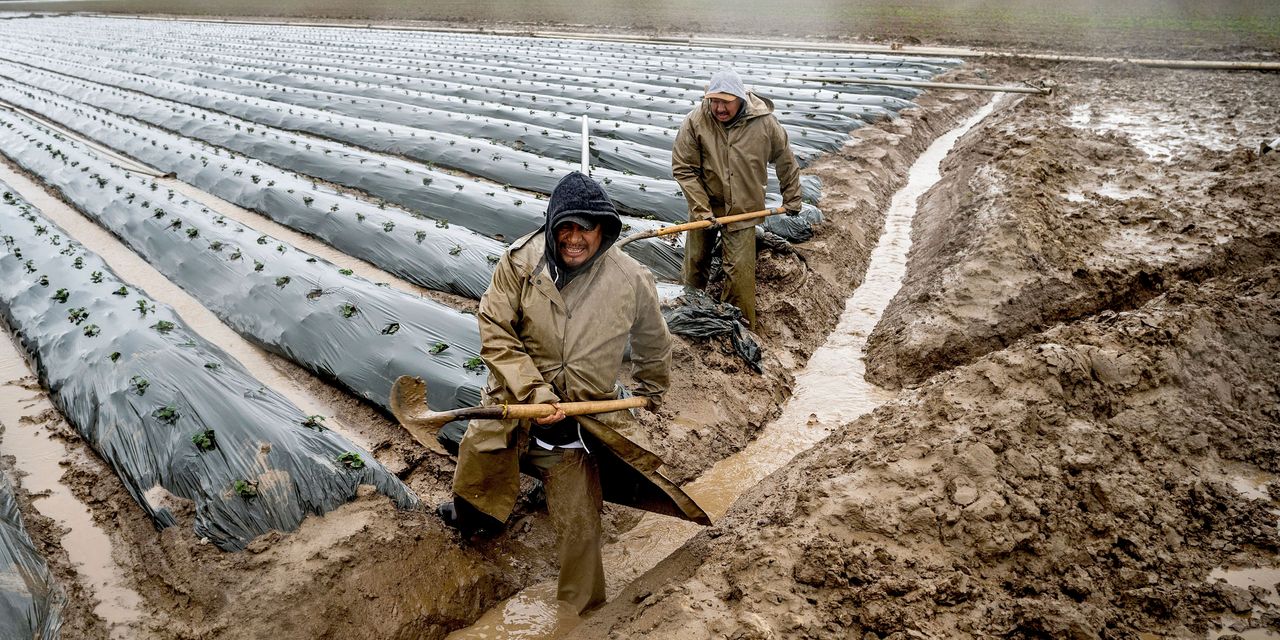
409, 405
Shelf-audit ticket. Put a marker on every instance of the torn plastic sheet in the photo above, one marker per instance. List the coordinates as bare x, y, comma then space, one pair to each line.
696, 315
31, 601
162, 405
331, 322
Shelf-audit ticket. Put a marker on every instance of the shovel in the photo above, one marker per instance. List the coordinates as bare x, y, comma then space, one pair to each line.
409, 406
701, 224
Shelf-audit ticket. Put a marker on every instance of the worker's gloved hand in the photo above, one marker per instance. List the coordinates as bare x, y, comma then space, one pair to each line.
791, 213
658, 409
715, 224
553, 418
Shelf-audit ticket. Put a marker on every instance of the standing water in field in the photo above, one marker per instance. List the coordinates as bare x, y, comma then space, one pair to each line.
830, 391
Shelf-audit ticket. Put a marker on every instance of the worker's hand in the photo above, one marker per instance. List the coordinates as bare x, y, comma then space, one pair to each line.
791, 213
553, 418
715, 224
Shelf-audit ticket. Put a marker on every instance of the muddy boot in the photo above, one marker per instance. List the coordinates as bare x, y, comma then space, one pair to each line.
469, 521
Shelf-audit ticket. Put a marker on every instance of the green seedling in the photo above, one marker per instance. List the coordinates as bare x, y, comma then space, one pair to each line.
216, 245
175, 225
282, 281
442, 224
262, 239
77, 315
139, 384
280, 248
115, 355
307, 200
236, 255
258, 266
492, 259
345, 272
96, 277
122, 291
91, 331
159, 213
314, 422
348, 310
204, 440
245, 489
391, 329
167, 414
163, 326
212, 366
61, 295
144, 307
351, 460
193, 232
44, 281
474, 364
457, 248
420, 236
360, 217
438, 348
388, 226
315, 294
30, 266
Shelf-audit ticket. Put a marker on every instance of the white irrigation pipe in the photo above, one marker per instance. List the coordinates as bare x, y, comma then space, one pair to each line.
933, 85
586, 147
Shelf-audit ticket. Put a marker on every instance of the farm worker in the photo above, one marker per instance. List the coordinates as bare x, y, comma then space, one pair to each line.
720, 159
562, 307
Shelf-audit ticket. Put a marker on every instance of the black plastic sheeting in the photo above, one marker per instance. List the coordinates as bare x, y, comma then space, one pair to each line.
401, 242
696, 315
31, 601
342, 327
142, 388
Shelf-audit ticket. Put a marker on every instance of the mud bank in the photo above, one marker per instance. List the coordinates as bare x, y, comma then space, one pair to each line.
1094, 473
1098, 197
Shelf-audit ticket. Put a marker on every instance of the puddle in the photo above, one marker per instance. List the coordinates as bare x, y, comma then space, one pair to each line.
40, 457
136, 271
1250, 626
829, 392
1159, 134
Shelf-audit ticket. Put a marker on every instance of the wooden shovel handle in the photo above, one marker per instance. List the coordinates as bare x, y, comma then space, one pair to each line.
702, 224
529, 411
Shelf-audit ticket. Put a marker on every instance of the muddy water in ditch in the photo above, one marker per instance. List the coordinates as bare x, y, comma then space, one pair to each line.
40, 457
829, 392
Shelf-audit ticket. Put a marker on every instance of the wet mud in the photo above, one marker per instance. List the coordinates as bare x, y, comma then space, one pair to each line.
1097, 460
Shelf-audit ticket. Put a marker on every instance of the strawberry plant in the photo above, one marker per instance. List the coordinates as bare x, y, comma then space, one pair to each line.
246, 489
122, 291
204, 440
61, 295
92, 330
351, 460
438, 348
139, 384
77, 315
314, 422
474, 364
167, 414
348, 310
163, 326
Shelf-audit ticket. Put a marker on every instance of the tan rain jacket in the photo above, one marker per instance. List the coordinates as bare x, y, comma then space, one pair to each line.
723, 170
547, 345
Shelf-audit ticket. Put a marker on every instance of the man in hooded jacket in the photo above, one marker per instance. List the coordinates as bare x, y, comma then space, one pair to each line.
721, 159
563, 305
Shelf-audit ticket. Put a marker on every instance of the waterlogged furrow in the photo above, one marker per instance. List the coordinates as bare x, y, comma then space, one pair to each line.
162, 405
343, 328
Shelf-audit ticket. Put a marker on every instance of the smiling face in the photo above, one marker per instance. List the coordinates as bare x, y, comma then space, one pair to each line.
576, 245
724, 110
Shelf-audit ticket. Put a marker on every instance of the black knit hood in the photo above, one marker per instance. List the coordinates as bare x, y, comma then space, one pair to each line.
578, 195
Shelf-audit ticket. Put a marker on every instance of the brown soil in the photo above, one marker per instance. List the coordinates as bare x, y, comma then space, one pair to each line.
1102, 378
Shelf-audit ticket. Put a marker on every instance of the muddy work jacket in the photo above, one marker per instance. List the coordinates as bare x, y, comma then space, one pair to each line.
546, 345
723, 169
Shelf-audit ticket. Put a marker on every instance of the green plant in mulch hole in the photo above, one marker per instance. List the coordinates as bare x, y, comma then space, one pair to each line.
44, 281
442, 224
258, 266
280, 248
163, 326
391, 329
30, 266
420, 236
307, 200
388, 226
426, 182
474, 364
115, 355
159, 213
360, 217
167, 414
96, 277
78, 263
245, 488
438, 348
77, 315
216, 245
314, 422
457, 248
91, 331
212, 366
144, 307
204, 440
282, 281
351, 460
122, 291
176, 224
348, 310
235, 255
492, 259
262, 239
61, 295
139, 384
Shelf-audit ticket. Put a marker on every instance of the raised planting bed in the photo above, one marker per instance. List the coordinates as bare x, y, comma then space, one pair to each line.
162, 405
341, 327
31, 601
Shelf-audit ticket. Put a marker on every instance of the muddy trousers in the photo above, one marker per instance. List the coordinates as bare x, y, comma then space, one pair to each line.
572, 481
737, 255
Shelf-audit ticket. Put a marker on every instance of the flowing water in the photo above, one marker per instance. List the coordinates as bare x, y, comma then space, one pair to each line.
831, 391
